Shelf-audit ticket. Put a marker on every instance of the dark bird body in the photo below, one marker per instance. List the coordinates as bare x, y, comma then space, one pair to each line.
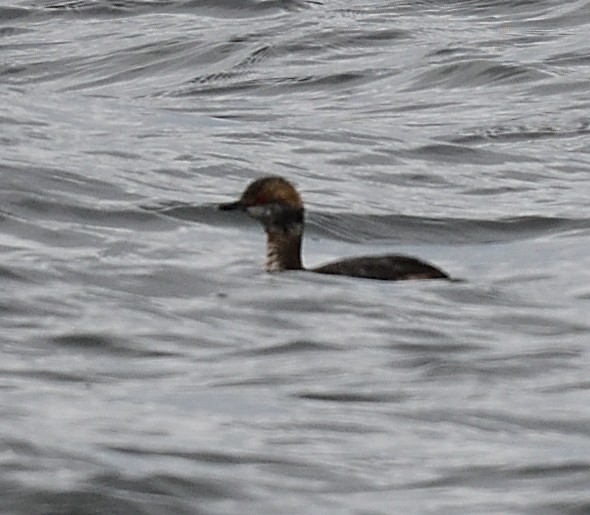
275, 203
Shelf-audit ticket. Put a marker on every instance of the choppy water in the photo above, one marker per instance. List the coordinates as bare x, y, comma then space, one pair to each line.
150, 366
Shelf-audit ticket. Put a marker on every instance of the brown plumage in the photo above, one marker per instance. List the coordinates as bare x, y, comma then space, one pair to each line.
276, 204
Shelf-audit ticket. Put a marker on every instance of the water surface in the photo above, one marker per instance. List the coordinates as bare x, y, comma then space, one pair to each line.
150, 365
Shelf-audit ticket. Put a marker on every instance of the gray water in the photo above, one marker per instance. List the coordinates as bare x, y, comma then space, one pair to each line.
150, 365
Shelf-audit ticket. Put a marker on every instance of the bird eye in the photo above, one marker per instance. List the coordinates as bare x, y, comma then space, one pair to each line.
261, 199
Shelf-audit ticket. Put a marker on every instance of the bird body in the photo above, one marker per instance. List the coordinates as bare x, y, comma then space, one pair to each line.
277, 205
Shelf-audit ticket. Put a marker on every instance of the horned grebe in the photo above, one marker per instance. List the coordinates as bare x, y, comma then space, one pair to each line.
275, 203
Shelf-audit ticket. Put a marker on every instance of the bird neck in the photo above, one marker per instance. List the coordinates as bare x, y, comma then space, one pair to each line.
283, 248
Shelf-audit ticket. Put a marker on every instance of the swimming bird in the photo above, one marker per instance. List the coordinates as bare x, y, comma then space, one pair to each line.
276, 204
